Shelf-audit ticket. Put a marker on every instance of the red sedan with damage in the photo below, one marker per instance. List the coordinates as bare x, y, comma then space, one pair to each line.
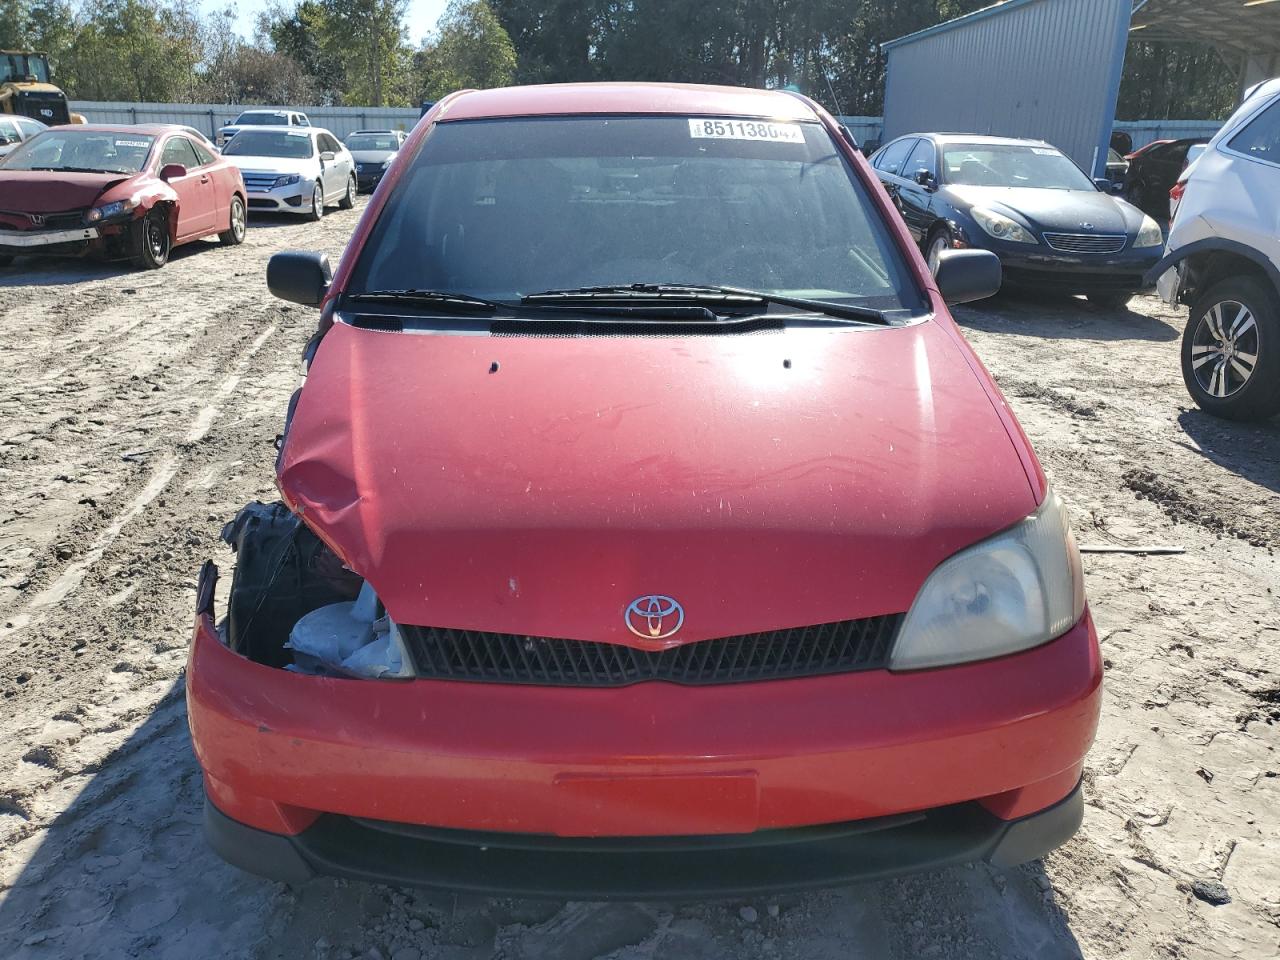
648, 529
119, 192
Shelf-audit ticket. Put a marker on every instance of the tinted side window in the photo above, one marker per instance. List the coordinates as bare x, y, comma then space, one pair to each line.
894, 155
923, 157
179, 150
203, 152
1261, 138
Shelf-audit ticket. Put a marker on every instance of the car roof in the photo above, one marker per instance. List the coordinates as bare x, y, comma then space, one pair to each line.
354, 132
977, 139
621, 98
147, 129
279, 111
282, 128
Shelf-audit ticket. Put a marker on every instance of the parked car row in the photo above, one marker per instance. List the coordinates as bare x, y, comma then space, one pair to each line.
135, 192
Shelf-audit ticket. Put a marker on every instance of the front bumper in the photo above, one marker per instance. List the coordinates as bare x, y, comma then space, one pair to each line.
369, 179
292, 198
46, 241
289, 754
666, 868
1041, 267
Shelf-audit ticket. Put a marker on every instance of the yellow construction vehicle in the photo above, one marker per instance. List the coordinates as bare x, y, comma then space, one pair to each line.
25, 89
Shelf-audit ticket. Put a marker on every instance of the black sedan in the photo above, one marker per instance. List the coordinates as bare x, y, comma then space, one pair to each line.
1053, 228
1154, 169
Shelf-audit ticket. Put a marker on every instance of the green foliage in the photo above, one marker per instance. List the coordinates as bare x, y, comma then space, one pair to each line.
470, 50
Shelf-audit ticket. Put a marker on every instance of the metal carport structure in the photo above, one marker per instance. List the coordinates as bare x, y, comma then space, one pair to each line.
1051, 69
1247, 30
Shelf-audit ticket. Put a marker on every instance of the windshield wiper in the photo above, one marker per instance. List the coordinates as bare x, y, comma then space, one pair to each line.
466, 303
433, 298
77, 170
703, 294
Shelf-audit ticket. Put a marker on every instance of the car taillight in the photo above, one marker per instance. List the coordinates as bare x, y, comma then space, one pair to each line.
1175, 197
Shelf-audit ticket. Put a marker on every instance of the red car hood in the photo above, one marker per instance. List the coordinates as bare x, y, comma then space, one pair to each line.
581, 474
48, 191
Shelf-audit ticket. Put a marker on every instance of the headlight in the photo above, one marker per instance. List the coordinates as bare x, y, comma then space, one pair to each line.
1013, 591
1150, 235
109, 210
387, 162
1001, 227
286, 181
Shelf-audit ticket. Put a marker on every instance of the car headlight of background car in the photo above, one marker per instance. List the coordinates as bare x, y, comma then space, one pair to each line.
286, 180
387, 162
1001, 227
1150, 235
1011, 592
109, 211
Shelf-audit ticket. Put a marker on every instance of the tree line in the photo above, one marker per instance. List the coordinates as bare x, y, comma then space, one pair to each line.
357, 52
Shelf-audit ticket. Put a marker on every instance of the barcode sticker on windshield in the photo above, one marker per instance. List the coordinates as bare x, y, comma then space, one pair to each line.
132, 143
745, 130
1045, 152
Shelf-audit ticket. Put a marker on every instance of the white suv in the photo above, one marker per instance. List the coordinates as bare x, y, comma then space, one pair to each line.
1223, 259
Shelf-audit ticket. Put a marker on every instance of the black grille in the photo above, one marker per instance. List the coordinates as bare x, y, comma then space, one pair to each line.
850, 645
48, 108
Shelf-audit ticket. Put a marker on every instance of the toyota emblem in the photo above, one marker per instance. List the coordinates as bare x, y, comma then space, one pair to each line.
654, 617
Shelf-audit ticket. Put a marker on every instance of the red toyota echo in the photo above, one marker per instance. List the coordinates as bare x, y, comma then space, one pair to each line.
648, 529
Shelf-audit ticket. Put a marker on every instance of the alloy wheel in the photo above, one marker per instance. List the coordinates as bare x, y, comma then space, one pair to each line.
1224, 351
237, 219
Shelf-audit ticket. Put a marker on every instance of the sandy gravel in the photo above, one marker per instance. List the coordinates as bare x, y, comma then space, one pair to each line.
138, 412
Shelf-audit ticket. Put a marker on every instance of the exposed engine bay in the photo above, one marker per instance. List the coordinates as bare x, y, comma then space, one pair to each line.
294, 605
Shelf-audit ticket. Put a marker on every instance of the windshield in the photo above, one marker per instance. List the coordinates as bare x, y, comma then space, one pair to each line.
501, 208
82, 152
270, 143
373, 141
20, 66
1012, 165
262, 120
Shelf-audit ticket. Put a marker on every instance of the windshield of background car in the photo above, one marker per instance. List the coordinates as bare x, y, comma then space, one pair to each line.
985, 165
262, 120
270, 143
82, 151
367, 141
501, 208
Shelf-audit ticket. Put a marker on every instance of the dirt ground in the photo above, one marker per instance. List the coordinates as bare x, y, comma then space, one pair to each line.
138, 412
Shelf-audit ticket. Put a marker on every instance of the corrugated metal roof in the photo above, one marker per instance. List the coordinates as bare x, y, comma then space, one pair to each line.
1039, 69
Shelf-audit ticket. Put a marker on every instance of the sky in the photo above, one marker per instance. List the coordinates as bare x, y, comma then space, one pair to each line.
421, 18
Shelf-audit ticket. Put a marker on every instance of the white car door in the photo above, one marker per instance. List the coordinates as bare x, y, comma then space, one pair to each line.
335, 178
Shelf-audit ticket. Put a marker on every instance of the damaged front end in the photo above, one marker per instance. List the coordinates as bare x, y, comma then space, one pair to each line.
294, 605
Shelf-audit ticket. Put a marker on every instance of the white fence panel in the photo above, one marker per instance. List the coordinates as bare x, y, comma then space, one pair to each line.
208, 117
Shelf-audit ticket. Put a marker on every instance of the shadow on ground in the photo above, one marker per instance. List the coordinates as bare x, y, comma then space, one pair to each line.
123, 870
64, 271
1250, 450
1060, 318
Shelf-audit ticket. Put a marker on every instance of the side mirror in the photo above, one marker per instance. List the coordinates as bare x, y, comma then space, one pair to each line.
966, 275
4, 140
172, 171
299, 276
1106, 185
327, 156
924, 178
